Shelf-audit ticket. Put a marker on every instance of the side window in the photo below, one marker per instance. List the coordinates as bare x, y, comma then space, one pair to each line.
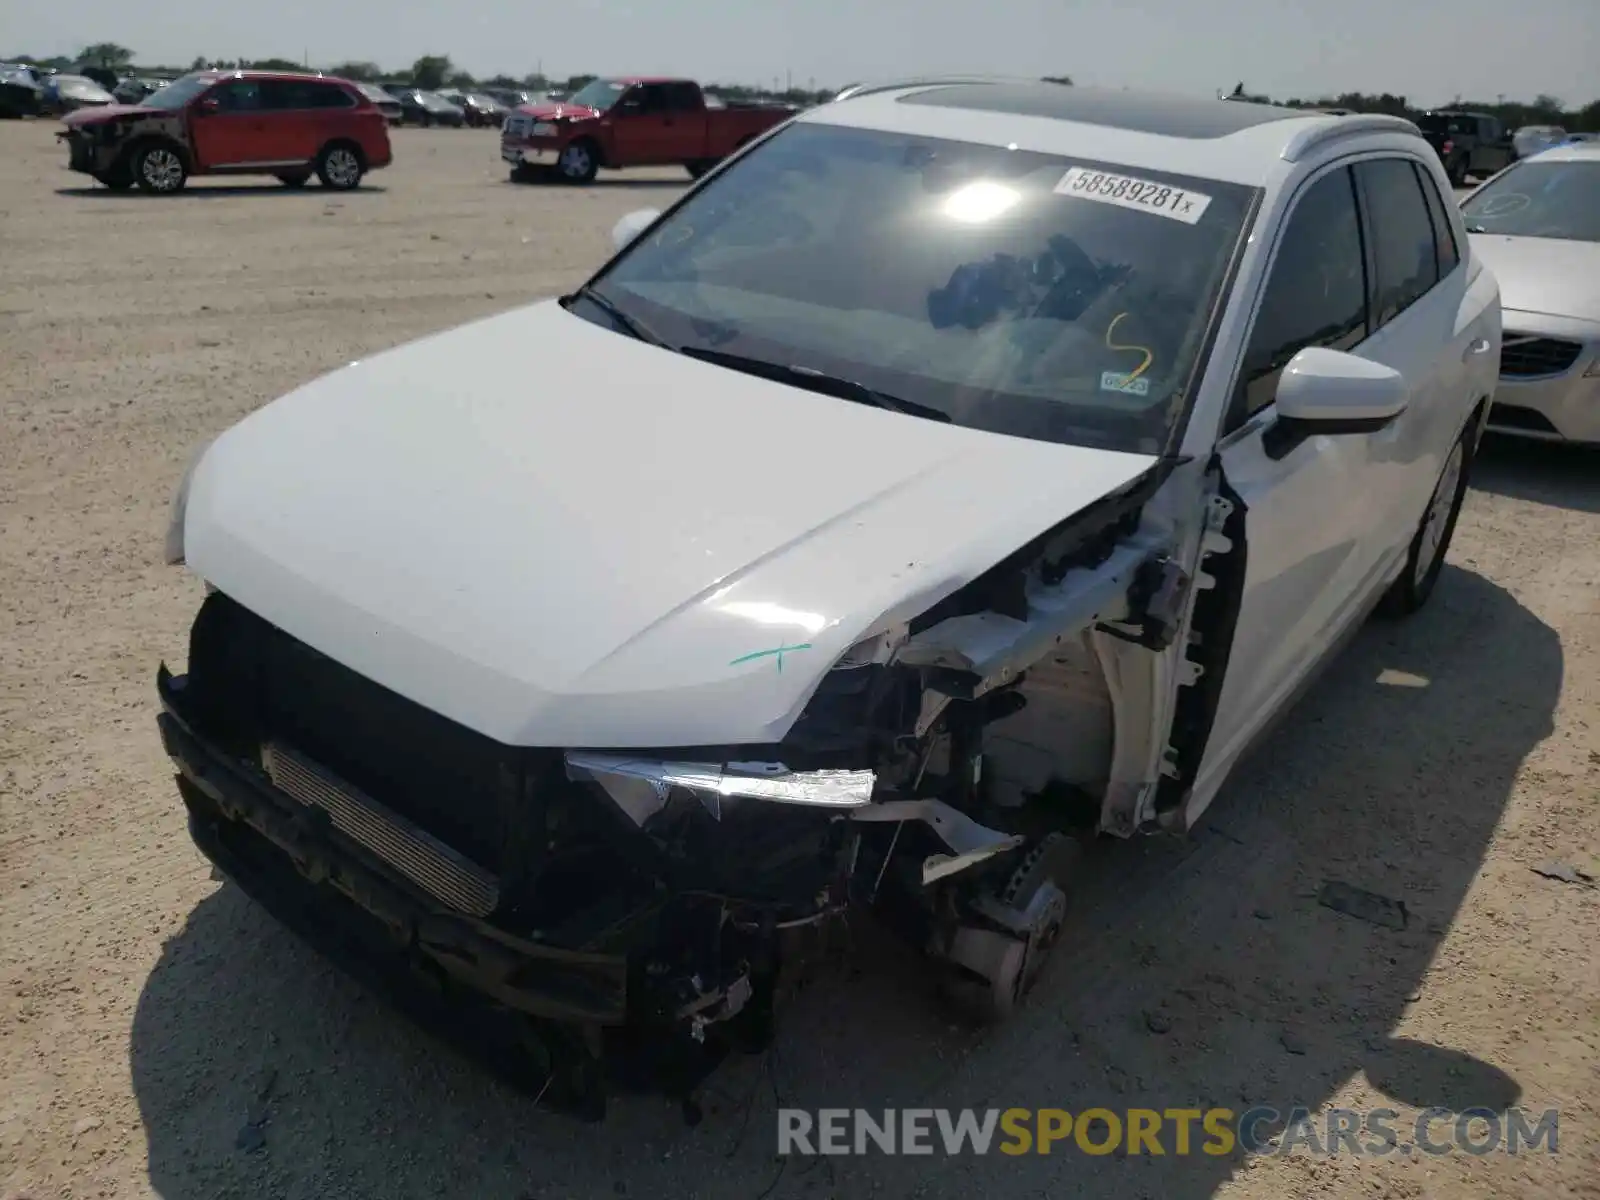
1444, 234
652, 98
330, 95
1316, 294
237, 95
682, 97
1402, 236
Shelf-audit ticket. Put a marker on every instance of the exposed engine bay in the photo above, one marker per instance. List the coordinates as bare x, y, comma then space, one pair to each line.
637, 914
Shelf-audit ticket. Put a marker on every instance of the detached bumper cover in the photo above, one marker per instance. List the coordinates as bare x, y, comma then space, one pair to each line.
541, 981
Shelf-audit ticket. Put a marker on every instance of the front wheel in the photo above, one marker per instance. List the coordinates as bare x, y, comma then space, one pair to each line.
339, 167
578, 162
159, 169
1432, 539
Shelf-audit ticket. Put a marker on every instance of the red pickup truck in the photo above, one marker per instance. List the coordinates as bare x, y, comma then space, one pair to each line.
631, 122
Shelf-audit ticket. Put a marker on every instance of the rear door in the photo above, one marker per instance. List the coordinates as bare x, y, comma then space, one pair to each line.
686, 123
236, 133
295, 111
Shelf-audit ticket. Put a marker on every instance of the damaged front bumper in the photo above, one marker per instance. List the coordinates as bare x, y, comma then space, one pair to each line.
424, 924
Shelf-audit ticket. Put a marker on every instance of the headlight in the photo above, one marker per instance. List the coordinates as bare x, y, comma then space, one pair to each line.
180, 508
543, 129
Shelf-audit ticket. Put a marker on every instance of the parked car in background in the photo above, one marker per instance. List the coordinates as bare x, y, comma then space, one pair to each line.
133, 89
1583, 137
1529, 140
386, 104
1093, 452
510, 98
419, 107
1467, 143
64, 94
20, 92
288, 125
478, 110
631, 122
1537, 226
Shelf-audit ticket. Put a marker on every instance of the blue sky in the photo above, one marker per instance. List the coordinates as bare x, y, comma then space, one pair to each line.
1428, 50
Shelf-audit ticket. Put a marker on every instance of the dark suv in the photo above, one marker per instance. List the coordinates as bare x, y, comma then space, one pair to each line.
1467, 143
233, 123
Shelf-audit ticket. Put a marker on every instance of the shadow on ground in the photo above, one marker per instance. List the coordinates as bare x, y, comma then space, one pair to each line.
1196, 973
623, 180
211, 191
1544, 472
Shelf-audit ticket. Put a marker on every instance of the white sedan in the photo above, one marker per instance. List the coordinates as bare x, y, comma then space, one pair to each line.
1537, 225
962, 468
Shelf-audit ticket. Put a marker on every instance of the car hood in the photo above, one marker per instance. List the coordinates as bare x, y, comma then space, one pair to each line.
557, 535
1544, 275
105, 112
558, 112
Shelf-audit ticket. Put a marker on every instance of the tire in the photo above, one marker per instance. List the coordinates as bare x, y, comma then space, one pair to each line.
1458, 172
158, 168
1425, 559
296, 180
340, 167
579, 161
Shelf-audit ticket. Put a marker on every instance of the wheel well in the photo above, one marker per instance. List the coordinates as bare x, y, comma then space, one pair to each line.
334, 143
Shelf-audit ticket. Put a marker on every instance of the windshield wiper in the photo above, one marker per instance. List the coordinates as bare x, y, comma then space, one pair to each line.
813, 380
630, 325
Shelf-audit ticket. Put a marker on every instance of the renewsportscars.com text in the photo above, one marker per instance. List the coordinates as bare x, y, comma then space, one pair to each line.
1216, 1132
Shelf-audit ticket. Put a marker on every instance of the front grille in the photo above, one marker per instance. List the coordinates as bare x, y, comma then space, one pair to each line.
411, 851
1523, 355
262, 685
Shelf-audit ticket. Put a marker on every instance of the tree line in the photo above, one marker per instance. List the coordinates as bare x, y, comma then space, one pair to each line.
434, 71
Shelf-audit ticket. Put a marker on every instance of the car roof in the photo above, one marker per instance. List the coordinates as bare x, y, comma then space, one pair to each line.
246, 73
1568, 152
1234, 140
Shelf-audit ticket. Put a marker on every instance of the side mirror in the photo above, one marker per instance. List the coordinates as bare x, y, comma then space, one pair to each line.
632, 225
1335, 392
207, 106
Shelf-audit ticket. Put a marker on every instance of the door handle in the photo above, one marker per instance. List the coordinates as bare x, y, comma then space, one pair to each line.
1476, 347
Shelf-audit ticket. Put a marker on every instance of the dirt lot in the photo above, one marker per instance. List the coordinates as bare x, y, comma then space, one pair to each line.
150, 1014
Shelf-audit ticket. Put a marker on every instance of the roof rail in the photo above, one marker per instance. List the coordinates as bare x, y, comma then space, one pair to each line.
1308, 139
894, 85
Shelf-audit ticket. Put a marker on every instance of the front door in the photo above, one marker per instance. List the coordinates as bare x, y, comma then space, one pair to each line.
646, 128
1362, 266
236, 133
1310, 509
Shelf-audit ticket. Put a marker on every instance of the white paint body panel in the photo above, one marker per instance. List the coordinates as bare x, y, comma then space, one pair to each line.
579, 560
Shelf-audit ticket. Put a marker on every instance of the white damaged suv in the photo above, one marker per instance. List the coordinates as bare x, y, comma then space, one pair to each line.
963, 469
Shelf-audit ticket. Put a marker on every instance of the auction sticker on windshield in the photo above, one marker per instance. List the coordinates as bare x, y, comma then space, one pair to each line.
1127, 191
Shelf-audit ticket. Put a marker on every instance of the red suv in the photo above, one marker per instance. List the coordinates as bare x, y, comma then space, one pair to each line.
233, 123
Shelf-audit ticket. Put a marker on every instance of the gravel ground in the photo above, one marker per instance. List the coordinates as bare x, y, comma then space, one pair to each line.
160, 1036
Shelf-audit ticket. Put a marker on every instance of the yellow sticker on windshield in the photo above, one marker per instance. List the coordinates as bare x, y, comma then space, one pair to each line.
1127, 191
